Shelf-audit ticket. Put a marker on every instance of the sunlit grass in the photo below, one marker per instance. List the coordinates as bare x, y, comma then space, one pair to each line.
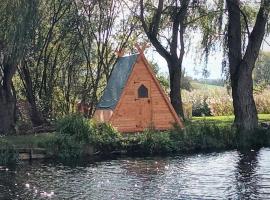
29, 141
225, 120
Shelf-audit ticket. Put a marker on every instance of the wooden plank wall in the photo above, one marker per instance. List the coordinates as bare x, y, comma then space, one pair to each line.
125, 117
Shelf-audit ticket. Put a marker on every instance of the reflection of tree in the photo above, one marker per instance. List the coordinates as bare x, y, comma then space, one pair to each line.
246, 176
144, 168
149, 173
7, 183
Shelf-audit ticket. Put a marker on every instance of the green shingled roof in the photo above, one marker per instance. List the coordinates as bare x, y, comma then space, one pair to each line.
117, 82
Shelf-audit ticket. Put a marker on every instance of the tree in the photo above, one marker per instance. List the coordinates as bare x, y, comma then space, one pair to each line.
262, 69
15, 30
173, 14
102, 29
241, 64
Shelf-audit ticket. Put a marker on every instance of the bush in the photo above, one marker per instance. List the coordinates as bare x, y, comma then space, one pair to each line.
201, 108
210, 136
107, 139
76, 126
192, 138
77, 136
8, 154
149, 142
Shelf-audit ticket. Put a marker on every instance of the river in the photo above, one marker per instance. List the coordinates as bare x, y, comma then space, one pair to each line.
223, 175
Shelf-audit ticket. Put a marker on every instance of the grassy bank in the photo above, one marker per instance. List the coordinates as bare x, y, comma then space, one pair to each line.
76, 137
30, 141
225, 120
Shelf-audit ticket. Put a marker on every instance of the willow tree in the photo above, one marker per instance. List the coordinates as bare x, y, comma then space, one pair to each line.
102, 27
171, 17
228, 23
15, 30
242, 63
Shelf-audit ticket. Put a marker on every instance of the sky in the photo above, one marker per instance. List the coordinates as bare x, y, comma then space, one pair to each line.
192, 64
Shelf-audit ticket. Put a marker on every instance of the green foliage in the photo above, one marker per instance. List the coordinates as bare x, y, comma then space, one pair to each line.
201, 108
65, 147
107, 139
72, 135
209, 136
30, 141
75, 126
8, 154
76, 135
262, 69
192, 138
148, 142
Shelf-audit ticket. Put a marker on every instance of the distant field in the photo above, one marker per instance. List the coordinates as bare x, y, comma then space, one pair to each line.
199, 86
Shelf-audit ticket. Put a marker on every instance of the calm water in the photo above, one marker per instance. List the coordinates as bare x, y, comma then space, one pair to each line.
226, 175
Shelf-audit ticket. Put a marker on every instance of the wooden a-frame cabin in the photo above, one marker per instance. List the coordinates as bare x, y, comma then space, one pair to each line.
133, 99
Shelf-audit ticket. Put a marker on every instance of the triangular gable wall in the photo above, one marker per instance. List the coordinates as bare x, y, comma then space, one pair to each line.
125, 115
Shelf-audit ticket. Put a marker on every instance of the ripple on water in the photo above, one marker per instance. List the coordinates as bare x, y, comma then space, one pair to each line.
226, 175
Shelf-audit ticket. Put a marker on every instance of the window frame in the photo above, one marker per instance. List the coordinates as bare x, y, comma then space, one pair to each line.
142, 92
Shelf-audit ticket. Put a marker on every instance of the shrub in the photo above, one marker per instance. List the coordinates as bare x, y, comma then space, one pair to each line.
192, 138
76, 126
201, 108
210, 136
77, 136
8, 154
107, 139
149, 142
73, 133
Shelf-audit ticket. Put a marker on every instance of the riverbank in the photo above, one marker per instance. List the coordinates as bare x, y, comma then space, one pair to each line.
77, 137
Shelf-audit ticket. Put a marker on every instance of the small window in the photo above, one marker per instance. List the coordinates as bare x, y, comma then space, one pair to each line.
142, 92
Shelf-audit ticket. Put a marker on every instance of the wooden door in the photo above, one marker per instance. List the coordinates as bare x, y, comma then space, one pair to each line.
143, 104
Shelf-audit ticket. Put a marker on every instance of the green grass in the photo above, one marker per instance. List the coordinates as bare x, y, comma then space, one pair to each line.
225, 120
201, 133
29, 141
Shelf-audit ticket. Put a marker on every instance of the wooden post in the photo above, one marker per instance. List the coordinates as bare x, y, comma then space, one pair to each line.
142, 48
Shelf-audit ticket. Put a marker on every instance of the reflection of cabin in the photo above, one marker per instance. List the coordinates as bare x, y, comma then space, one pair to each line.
133, 99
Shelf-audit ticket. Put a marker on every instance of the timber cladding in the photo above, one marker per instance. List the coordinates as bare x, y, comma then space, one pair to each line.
141, 102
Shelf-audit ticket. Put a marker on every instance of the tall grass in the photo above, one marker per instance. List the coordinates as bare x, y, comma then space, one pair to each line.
218, 101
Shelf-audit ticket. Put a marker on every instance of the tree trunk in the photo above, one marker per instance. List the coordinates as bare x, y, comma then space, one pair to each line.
243, 102
35, 115
241, 66
170, 54
175, 93
7, 113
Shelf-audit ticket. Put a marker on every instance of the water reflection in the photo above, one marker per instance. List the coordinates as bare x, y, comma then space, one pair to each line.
227, 175
144, 167
246, 175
